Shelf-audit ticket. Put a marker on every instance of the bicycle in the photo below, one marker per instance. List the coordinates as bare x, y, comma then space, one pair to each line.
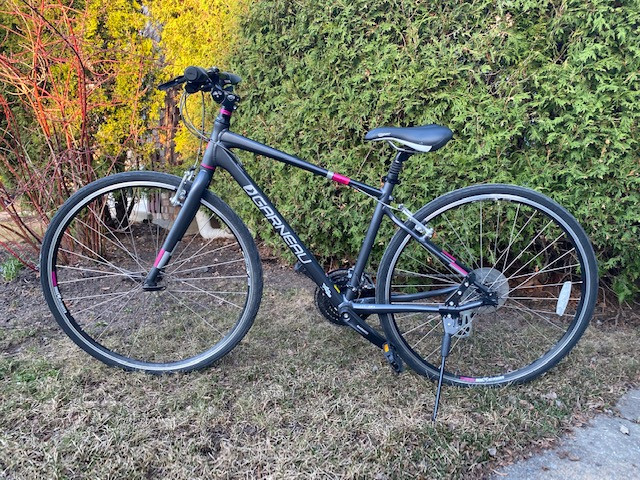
148, 271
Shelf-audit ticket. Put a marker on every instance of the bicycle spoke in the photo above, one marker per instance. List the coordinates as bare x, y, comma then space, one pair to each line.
104, 274
115, 315
538, 313
424, 275
463, 243
481, 251
201, 291
223, 277
210, 294
197, 255
185, 248
528, 245
537, 255
85, 297
437, 272
138, 330
535, 327
130, 231
537, 298
119, 244
426, 334
495, 243
104, 260
195, 313
512, 239
545, 285
406, 332
204, 267
546, 269
129, 292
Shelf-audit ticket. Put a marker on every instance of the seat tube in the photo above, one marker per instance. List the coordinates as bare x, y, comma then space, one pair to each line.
365, 251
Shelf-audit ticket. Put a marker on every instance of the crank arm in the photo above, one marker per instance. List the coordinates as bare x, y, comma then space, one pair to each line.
353, 320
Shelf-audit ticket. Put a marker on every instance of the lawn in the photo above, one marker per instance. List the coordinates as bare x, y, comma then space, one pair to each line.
299, 398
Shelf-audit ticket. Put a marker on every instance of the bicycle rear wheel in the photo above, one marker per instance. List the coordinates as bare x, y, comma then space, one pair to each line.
98, 250
520, 244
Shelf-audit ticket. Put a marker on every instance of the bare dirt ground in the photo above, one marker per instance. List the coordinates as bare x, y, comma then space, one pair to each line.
298, 398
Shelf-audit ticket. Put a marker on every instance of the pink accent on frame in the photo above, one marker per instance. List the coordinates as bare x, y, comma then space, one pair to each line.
458, 268
224, 111
453, 263
207, 167
449, 256
54, 279
159, 257
467, 379
340, 179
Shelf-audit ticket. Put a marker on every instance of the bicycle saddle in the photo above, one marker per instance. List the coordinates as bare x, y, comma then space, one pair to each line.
426, 138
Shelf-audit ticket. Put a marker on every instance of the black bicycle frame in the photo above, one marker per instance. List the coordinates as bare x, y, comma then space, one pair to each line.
218, 155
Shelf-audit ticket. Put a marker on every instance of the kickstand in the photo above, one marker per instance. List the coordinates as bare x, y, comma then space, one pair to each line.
450, 327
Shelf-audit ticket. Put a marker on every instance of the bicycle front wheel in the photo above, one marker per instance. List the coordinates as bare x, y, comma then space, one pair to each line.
521, 245
98, 250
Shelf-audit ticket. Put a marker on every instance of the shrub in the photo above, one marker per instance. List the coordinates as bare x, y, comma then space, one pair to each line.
542, 94
75, 106
10, 269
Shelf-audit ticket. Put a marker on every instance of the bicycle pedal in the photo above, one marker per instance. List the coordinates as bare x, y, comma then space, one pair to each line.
392, 357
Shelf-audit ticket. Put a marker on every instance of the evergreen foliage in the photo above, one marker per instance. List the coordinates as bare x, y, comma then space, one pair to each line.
542, 94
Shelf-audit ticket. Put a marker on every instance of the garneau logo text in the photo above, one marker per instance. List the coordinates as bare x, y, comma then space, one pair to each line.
277, 224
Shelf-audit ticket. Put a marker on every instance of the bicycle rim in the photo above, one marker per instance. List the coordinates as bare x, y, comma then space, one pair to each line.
524, 247
100, 252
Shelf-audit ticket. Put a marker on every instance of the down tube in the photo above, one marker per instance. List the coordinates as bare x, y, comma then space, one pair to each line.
225, 160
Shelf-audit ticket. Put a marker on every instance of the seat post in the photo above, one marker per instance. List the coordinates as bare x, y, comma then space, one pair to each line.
396, 166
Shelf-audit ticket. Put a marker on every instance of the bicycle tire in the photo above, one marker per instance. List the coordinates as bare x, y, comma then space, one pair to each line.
210, 291
514, 342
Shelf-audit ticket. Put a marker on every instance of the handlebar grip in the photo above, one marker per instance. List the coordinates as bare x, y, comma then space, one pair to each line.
230, 78
196, 75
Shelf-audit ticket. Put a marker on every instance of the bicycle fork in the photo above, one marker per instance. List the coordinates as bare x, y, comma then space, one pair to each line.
180, 225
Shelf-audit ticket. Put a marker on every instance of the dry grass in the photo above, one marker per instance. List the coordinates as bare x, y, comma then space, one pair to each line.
299, 398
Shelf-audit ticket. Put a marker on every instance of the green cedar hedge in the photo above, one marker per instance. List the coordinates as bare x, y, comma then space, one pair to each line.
542, 94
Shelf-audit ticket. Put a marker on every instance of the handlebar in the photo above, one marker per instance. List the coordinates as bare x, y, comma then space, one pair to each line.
196, 75
200, 79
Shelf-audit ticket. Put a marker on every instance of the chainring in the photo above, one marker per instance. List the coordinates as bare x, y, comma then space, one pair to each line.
341, 277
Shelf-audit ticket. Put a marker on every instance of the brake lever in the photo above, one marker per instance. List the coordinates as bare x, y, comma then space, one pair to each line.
172, 83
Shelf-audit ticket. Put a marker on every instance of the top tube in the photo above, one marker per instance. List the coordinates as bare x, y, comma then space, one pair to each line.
233, 140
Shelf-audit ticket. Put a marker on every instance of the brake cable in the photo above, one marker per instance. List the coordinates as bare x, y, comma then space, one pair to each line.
188, 174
